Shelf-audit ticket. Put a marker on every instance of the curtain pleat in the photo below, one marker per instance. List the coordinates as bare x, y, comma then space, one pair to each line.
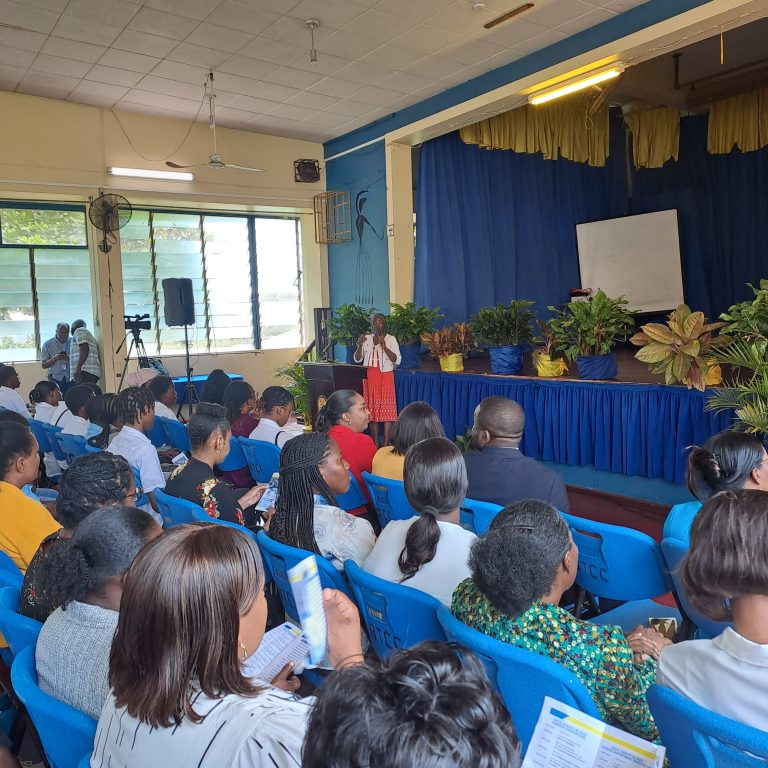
655, 136
741, 121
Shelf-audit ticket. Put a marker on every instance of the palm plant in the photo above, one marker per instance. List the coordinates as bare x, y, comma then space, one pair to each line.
298, 386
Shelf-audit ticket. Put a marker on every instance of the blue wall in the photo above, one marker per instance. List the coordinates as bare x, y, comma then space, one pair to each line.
358, 271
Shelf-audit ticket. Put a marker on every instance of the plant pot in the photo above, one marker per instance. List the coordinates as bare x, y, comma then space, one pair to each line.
410, 355
507, 359
452, 363
547, 368
714, 375
597, 366
351, 354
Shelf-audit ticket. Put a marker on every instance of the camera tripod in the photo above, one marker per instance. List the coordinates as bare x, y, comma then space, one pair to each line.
141, 352
190, 393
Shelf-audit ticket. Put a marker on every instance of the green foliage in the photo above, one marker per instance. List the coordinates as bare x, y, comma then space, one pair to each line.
504, 324
680, 348
408, 323
28, 226
749, 319
454, 340
464, 442
547, 342
348, 322
591, 327
297, 385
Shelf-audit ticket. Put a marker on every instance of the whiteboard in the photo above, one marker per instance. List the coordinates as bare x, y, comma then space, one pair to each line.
637, 257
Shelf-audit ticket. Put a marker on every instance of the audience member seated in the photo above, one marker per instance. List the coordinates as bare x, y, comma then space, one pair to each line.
46, 396
727, 461
86, 576
164, 391
428, 552
140, 377
312, 474
24, 523
91, 482
725, 576
193, 609
241, 403
103, 423
214, 386
10, 399
276, 408
135, 408
417, 421
497, 471
77, 398
60, 414
209, 436
520, 569
345, 417
426, 706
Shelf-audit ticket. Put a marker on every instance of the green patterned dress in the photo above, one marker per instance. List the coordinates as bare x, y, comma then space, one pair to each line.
599, 656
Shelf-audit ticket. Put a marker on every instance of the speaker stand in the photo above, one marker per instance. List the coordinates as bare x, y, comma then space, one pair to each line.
190, 393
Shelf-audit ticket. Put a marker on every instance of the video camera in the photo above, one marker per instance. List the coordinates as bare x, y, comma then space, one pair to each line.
137, 323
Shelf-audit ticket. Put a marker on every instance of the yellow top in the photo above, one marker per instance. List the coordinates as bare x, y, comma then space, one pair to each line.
386, 463
24, 523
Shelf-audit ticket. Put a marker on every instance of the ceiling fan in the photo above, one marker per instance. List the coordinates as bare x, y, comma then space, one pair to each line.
214, 159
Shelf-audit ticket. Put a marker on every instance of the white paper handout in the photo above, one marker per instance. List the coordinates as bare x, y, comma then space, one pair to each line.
564, 737
308, 594
278, 646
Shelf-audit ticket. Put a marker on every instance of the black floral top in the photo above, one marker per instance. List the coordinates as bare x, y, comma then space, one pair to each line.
35, 601
196, 482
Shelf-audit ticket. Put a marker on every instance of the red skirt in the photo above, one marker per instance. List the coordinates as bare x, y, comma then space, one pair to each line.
379, 394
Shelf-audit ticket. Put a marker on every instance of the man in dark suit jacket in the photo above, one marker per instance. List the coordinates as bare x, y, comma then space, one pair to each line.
496, 469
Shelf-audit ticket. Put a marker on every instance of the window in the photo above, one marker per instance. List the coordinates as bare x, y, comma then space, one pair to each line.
245, 273
46, 276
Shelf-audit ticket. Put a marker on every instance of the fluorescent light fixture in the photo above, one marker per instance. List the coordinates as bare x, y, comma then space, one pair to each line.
144, 173
578, 84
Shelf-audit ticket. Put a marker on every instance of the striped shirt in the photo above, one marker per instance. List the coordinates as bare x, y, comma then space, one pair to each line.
92, 364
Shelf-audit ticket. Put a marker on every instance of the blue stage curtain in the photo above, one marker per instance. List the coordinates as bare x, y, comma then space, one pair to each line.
631, 429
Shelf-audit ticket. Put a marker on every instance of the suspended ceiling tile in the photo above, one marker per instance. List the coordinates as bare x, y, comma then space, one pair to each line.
15, 57
134, 62
295, 78
335, 86
247, 67
334, 13
595, 16
378, 25
250, 104
23, 39
272, 91
98, 94
391, 58
292, 32
141, 42
116, 12
49, 5
542, 40
193, 9
86, 30
364, 73
170, 88
73, 49
553, 13
426, 40
10, 76
291, 112
244, 18
416, 11
347, 45
113, 76
265, 49
513, 32
473, 51
55, 65
219, 38
26, 16
184, 73
198, 55
313, 100
45, 84
403, 82
171, 103
375, 96
164, 24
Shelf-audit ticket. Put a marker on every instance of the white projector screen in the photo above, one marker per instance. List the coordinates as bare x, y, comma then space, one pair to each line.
634, 256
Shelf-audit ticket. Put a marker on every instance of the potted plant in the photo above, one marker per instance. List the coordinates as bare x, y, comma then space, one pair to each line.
587, 331
748, 320
346, 325
681, 348
449, 345
504, 330
547, 358
298, 385
408, 323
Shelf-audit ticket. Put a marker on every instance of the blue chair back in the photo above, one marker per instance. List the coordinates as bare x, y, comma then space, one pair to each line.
156, 435
72, 446
92, 448
85, 762
354, 497
235, 459
51, 431
618, 563
477, 516
395, 616
523, 678
175, 433
176, 511
65, 733
38, 430
263, 458
20, 631
388, 497
674, 551
279, 558
8, 566
143, 499
696, 736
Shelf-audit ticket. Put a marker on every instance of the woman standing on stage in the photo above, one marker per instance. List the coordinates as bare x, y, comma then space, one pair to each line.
379, 352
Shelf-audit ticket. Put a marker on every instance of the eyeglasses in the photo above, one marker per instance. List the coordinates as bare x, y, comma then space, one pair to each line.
136, 495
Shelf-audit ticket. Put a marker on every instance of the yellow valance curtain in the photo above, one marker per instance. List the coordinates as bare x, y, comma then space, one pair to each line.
655, 136
740, 121
562, 128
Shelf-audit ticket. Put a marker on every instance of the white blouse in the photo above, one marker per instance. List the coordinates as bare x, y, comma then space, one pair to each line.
372, 356
341, 536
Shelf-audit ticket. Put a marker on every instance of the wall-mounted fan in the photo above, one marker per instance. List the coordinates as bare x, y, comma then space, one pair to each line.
214, 159
109, 213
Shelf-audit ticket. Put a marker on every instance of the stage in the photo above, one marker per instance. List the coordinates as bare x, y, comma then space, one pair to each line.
632, 426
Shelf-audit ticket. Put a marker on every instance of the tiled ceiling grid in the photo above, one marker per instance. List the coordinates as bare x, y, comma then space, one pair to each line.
374, 57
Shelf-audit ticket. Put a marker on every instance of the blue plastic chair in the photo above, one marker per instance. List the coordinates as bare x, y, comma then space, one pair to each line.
354, 497
85, 762
523, 678
695, 736
51, 431
395, 616
620, 563
477, 516
175, 433
65, 732
8, 566
19, 631
176, 511
235, 459
143, 499
674, 551
388, 497
72, 446
92, 448
263, 458
156, 435
38, 430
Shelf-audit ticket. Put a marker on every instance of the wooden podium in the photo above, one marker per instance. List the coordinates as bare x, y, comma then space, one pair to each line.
326, 378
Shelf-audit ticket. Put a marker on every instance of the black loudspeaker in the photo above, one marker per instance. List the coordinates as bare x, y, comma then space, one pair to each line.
179, 301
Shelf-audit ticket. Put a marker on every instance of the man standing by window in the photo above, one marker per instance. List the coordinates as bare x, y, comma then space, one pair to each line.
55, 356
87, 364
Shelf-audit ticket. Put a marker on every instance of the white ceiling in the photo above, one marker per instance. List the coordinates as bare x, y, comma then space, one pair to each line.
374, 57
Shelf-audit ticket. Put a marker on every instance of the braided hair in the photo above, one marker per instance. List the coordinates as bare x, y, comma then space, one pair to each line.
132, 403
102, 411
300, 478
215, 384
207, 419
90, 482
235, 396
